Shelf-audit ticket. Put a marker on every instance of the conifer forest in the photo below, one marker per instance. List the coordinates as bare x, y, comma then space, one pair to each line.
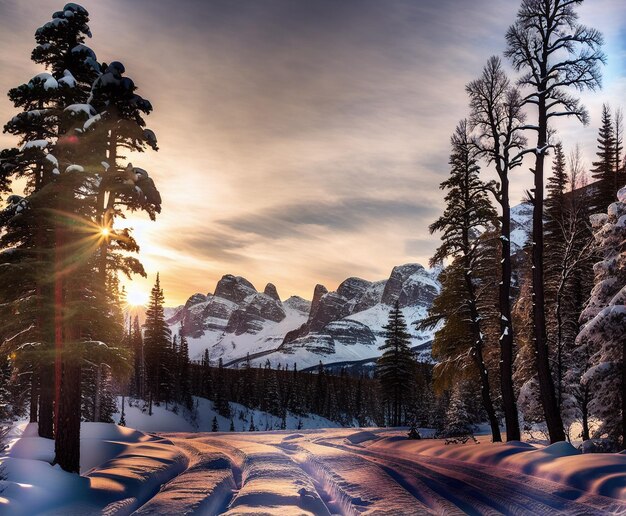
467, 158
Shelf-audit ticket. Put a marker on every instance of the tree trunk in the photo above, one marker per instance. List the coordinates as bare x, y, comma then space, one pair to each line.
98, 395
46, 400
59, 302
67, 359
559, 351
585, 413
67, 440
506, 324
34, 395
106, 205
477, 355
542, 355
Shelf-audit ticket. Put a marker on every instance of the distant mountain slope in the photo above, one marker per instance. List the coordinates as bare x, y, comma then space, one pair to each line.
237, 322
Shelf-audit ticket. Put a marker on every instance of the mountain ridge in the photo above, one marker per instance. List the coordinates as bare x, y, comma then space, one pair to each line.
237, 322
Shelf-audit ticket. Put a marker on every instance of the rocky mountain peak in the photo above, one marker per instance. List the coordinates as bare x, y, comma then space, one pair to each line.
352, 288
270, 290
195, 299
344, 324
409, 284
234, 288
298, 303
318, 292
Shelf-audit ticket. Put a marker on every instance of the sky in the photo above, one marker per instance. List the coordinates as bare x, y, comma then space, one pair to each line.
301, 141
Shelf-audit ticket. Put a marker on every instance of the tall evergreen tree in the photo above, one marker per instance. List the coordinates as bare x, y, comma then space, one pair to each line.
604, 321
42, 128
468, 211
396, 368
183, 373
555, 204
604, 170
136, 340
156, 347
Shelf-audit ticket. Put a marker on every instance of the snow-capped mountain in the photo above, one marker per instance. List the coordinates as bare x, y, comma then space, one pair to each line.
521, 225
237, 322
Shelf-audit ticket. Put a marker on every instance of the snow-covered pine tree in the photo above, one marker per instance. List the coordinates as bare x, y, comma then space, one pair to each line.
604, 321
395, 369
569, 243
43, 123
457, 424
119, 125
156, 347
496, 111
554, 52
468, 211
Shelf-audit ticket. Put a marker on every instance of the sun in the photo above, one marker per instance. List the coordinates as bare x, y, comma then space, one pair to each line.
136, 297
104, 232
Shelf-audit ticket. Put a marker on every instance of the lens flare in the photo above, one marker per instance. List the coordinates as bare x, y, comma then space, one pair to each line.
136, 297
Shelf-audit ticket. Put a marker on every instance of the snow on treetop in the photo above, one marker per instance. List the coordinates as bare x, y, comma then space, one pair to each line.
38, 144
598, 219
91, 121
33, 113
52, 160
68, 79
81, 108
621, 195
48, 81
75, 8
83, 49
116, 66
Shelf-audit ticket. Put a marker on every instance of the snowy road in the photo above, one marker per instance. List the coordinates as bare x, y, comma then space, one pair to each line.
316, 472
379, 472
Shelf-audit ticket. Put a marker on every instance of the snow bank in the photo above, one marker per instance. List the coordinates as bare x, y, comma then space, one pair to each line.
598, 473
205, 487
124, 469
200, 419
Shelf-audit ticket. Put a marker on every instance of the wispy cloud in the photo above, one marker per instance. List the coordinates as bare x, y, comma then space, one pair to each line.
301, 141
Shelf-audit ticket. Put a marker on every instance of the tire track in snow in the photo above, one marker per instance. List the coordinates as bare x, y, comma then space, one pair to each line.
271, 482
205, 487
506, 492
356, 485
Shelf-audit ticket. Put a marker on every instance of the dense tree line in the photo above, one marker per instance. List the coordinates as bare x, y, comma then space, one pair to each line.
532, 334
347, 399
544, 309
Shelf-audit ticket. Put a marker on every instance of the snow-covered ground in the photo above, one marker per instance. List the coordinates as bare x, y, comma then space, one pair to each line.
200, 419
323, 471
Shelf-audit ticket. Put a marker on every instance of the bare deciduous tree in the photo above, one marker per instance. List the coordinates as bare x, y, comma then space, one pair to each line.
496, 112
554, 52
